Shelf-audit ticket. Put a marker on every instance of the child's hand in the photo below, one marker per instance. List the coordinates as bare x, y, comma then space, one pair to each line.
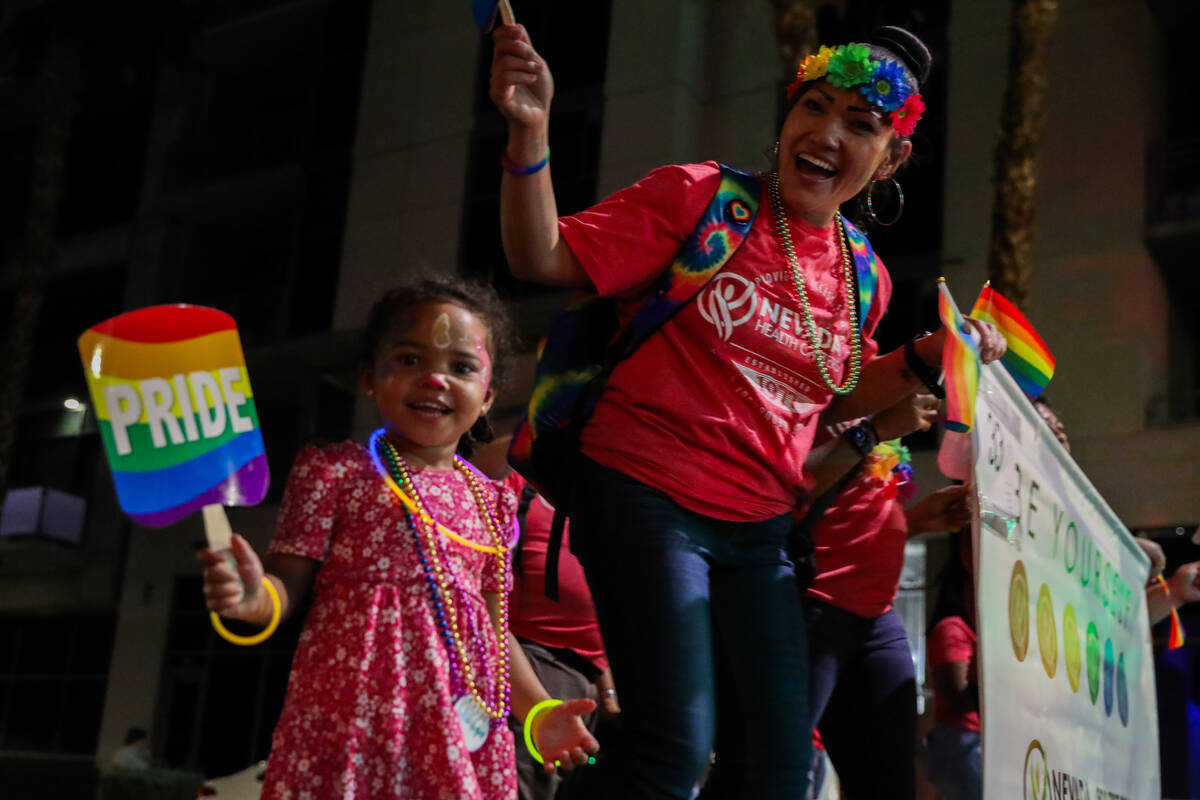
233, 594
561, 735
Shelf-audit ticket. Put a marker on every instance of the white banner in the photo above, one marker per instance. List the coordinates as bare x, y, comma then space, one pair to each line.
1066, 670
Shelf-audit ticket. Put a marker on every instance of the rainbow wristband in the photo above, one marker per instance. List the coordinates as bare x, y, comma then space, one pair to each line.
516, 169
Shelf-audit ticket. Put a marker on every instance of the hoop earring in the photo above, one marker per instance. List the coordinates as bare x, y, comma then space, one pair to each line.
871, 205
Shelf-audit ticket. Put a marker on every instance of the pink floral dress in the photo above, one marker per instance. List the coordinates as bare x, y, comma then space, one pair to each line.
369, 710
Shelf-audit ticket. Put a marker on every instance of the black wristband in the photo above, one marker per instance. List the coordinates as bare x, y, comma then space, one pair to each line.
925, 373
862, 438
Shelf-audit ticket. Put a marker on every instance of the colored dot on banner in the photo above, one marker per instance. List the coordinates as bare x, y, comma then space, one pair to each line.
1093, 661
1018, 611
1071, 651
1122, 691
1046, 633
1109, 677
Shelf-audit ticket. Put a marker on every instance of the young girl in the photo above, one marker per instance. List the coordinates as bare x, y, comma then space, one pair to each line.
400, 685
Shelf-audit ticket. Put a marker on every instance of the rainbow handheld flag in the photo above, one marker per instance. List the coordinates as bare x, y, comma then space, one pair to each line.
175, 410
485, 12
960, 364
1175, 637
1028, 360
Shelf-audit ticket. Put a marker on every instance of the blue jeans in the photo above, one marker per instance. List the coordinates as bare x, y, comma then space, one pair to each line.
952, 760
862, 692
703, 625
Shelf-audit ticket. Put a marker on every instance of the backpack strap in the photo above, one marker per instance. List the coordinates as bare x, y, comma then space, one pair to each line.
523, 503
718, 233
866, 270
553, 550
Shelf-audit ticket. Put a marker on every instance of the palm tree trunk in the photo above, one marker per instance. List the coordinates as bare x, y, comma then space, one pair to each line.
1010, 253
57, 80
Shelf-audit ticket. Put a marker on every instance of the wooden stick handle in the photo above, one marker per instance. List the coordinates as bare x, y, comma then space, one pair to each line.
216, 527
506, 14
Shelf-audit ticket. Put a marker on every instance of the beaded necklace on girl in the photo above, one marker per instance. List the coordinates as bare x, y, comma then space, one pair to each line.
481, 694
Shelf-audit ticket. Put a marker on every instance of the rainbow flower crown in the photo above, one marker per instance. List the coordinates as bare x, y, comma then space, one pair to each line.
881, 82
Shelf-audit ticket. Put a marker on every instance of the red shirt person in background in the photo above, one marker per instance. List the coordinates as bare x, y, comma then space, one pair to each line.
560, 638
860, 663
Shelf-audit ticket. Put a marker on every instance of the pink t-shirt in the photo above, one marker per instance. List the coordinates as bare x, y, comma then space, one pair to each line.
859, 548
953, 640
569, 623
717, 408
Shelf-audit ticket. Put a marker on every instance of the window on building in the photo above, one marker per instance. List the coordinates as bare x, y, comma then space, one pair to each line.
106, 155
1173, 211
573, 38
219, 702
53, 676
55, 446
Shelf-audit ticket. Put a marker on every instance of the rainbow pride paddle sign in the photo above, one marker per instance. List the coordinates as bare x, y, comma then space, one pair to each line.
172, 398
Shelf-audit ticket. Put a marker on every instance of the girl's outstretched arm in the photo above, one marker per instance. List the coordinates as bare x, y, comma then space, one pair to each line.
561, 735
239, 594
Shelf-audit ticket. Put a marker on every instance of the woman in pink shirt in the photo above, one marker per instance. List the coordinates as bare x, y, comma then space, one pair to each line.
860, 664
694, 458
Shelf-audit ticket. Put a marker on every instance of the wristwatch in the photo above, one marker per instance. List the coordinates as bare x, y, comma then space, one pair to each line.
926, 374
862, 438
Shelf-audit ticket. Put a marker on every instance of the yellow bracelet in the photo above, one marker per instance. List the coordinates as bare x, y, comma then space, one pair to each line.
529, 726
261, 636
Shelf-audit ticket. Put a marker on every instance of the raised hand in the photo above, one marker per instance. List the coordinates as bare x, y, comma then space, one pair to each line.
561, 736
233, 593
521, 84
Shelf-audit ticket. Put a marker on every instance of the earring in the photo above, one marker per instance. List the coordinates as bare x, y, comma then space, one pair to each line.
772, 155
871, 205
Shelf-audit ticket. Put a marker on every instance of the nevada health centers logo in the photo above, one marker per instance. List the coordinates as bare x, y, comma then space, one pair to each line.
1036, 781
729, 301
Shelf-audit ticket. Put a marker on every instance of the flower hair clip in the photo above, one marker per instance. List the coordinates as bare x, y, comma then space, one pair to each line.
881, 82
890, 463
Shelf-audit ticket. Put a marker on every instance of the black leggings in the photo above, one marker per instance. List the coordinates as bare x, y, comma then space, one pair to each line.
863, 695
704, 628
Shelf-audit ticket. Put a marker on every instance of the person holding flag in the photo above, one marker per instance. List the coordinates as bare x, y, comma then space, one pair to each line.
694, 458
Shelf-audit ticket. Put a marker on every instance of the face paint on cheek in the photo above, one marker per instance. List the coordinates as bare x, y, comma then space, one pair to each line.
439, 333
485, 363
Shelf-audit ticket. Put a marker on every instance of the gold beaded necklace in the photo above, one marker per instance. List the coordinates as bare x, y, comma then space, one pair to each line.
441, 575
810, 326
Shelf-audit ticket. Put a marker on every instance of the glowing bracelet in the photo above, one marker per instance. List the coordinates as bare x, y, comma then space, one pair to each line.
529, 726
261, 636
529, 718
